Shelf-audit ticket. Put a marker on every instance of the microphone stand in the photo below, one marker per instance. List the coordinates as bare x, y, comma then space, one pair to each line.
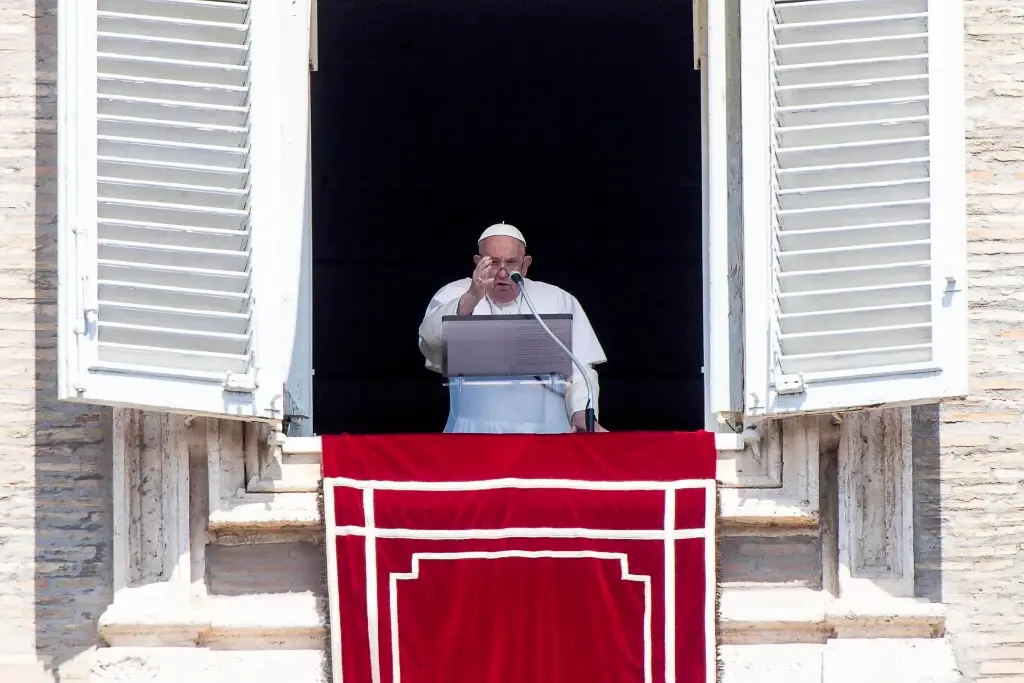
589, 414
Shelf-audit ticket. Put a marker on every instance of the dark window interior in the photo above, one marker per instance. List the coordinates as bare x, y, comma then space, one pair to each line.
576, 121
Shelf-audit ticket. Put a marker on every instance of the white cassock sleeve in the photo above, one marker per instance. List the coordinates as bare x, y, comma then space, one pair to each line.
444, 302
585, 345
588, 349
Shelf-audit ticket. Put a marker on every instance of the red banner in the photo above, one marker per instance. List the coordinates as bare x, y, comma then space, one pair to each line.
575, 558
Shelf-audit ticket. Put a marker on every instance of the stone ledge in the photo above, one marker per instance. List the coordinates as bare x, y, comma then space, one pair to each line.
159, 616
282, 510
803, 615
267, 511
163, 615
879, 660
201, 665
288, 496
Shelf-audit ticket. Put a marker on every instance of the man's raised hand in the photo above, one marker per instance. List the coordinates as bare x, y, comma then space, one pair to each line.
480, 286
483, 279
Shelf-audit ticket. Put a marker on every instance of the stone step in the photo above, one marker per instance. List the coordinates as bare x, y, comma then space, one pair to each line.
166, 615
157, 615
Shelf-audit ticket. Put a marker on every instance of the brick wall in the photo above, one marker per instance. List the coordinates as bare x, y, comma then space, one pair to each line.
55, 518
969, 457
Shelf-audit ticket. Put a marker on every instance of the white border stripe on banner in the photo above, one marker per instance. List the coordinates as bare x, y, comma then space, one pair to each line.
622, 558
372, 615
710, 582
334, 609
514, 483
670, 586
668, 535
517, 532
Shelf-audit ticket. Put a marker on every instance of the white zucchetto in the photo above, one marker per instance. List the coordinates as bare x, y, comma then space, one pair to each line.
502, 229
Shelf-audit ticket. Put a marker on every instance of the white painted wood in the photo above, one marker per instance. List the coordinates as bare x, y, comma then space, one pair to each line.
876, 514
754, 61
722, 360
180, 213
853, 204
286, 259
314, 37
700, 49
297, 292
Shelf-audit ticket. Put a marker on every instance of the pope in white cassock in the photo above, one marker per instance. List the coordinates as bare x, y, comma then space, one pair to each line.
490, 291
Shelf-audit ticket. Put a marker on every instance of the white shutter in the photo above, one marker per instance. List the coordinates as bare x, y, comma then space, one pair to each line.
170, 155
853, 174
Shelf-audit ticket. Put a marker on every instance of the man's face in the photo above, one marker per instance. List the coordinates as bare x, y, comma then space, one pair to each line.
507, 254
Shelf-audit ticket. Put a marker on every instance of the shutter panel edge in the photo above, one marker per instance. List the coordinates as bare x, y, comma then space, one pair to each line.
944, 376
247, 390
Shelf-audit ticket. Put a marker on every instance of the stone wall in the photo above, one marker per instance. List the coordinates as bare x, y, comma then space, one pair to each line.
969, 457
55, 519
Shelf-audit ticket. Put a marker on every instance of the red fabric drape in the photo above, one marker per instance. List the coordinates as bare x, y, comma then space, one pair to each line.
588, 561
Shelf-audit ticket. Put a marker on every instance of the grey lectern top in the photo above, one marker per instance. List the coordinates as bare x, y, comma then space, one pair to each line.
504, 346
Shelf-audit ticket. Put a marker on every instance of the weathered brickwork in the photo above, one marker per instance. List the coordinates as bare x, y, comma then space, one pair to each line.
55, 518
969, 457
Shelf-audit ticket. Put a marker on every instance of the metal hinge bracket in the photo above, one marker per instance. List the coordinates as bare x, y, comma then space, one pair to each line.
790, 384
242, 383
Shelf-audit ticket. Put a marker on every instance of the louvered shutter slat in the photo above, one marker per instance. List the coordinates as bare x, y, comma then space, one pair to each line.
169, 255
171, 276
170, 236
175, 172
172, 131
202, 10
231, 75
173, 193
853, 234
121, 293
173, 125
180, 319
882, 138
141, 45
128, 358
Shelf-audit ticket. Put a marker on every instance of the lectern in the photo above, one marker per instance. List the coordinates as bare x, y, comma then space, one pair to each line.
505, 374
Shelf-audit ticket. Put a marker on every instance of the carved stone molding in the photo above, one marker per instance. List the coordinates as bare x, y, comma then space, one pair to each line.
152, 516
875, 493
758, 465
795, 500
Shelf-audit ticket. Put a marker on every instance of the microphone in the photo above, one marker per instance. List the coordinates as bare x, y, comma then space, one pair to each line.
589, 413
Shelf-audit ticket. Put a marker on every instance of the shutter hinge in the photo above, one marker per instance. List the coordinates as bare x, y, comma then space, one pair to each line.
789, 384
242, 383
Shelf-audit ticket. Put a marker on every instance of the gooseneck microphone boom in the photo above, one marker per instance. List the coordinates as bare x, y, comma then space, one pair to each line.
589, 414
